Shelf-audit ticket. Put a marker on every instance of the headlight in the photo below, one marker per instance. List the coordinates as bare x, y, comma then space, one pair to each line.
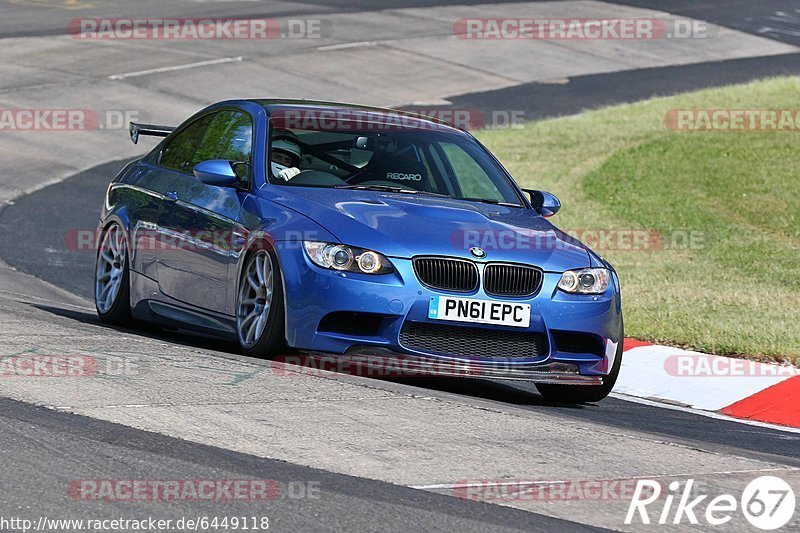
346, 258
585, 281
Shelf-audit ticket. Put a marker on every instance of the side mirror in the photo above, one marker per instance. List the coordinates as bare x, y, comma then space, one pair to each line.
219, 172
545, 203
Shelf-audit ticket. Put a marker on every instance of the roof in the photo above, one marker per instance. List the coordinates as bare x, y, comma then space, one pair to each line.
312, 113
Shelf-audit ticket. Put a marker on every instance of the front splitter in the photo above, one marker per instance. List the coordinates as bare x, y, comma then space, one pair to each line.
386, 364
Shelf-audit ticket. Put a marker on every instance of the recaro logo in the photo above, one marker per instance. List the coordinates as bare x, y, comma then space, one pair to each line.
401, 176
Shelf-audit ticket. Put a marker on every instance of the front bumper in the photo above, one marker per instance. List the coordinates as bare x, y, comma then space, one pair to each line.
399, 299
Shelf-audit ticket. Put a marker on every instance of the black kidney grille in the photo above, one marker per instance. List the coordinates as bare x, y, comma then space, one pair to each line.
447, 274
472, 342
511, 280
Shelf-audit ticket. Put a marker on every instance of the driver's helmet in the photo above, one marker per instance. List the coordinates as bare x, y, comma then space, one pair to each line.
286, 143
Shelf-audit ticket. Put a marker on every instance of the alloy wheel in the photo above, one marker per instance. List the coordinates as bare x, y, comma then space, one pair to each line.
255, 299
111, 261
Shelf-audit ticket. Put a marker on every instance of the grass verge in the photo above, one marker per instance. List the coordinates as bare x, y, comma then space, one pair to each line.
724, 277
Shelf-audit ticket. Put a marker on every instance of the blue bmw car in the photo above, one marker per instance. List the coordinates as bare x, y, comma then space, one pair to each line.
344, 231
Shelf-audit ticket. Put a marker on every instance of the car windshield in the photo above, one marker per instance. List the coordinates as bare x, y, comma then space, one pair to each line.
391, 159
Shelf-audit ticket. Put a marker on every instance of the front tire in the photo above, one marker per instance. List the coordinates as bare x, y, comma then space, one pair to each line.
586, 393
112, 286
259, 306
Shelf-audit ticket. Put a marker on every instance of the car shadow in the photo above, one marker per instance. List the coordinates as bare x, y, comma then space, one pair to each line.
510, 392
145, 329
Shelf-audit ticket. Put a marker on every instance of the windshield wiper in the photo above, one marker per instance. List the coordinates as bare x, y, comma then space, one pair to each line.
490, 201
400, 190
389, 188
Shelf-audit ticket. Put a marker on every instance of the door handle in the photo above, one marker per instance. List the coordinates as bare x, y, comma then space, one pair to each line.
171, 196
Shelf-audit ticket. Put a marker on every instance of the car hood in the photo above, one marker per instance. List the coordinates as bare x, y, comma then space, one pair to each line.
404, 225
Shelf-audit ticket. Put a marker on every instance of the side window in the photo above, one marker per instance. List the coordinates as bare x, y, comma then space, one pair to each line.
229, 136
179, 153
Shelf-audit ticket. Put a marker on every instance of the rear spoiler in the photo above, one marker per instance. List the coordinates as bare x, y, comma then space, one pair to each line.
149, 129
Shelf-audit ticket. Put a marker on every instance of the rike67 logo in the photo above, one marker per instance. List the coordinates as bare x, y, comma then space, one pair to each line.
768, 503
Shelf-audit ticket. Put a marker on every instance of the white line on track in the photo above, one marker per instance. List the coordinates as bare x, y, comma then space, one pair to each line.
708, 414
176, 67
344, 46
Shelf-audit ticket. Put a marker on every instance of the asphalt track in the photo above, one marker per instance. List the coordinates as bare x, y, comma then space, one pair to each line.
773, 18
32, 18
43, 448
777, 19
58, 444
545, 100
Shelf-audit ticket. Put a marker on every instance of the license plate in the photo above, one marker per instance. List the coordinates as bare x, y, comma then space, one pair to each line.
481, 311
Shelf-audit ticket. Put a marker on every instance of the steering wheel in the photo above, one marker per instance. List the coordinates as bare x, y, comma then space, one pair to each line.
316, 178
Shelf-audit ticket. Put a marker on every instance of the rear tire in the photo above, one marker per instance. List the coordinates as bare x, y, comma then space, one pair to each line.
112, 287
586, 393
259, 306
